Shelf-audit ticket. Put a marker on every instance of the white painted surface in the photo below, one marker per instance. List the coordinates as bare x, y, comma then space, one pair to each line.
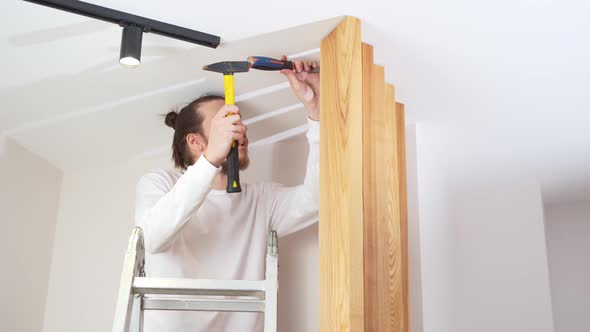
499, 90
414, 238
484, 265
95, 222
568, 245
29, 194
94, 225
75, 112
284, 162
298, 253
519, 67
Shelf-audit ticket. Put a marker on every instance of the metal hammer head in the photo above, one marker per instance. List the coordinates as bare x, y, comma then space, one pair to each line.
228, 67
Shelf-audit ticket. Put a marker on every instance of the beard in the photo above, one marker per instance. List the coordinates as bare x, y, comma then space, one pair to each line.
244, 162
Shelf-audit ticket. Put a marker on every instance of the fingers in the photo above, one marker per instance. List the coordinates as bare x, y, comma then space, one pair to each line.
239, 128
226, 109
298, 79
239, 137
232, 119
292, 77
293, 80
302, 76
300, 66
235, 129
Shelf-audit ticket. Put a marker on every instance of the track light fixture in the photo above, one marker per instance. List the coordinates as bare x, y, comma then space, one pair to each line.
131, 46
133, 27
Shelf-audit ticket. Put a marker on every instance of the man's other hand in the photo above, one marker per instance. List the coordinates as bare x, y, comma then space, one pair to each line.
305, 85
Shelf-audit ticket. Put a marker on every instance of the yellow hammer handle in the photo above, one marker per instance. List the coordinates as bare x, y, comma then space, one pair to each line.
228, 84
233, 164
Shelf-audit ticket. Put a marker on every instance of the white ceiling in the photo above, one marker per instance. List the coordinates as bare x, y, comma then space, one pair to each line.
101, 113
504, 82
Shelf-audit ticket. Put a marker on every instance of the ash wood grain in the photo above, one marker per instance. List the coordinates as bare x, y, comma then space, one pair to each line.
403, 203
391, 302
383, 257
373, 108
341, 201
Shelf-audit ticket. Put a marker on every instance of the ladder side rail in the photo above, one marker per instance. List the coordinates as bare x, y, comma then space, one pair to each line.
133, 266
272, 282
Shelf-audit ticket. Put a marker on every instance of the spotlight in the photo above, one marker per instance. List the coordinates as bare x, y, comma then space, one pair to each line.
133, 27
131, 46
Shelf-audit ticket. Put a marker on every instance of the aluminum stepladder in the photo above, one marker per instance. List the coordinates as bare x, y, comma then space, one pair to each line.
140, 292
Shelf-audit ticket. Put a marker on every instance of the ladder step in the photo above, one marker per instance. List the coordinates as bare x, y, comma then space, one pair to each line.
202, 305
180, 286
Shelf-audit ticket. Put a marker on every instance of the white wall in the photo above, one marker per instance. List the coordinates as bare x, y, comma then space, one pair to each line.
568, 245
484, 265
298, 253
29, 193
299, 269
95, 222
482, 254
414, 238
97, 216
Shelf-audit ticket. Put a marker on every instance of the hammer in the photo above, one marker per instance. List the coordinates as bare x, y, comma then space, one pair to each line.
266, 63
228, 68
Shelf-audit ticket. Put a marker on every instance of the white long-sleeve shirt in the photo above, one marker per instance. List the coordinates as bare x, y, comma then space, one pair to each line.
193, 231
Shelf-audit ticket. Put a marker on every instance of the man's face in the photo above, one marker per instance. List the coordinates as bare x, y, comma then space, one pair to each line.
208, 110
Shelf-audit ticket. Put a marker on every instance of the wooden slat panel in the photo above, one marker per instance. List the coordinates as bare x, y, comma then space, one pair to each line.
383, 261
373, 109
403, 204
391, 262
369, 226
341, 203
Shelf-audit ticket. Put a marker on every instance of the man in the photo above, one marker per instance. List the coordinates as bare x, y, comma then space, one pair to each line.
194, 229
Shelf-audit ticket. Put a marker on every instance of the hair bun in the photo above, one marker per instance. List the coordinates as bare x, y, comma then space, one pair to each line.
170, 120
